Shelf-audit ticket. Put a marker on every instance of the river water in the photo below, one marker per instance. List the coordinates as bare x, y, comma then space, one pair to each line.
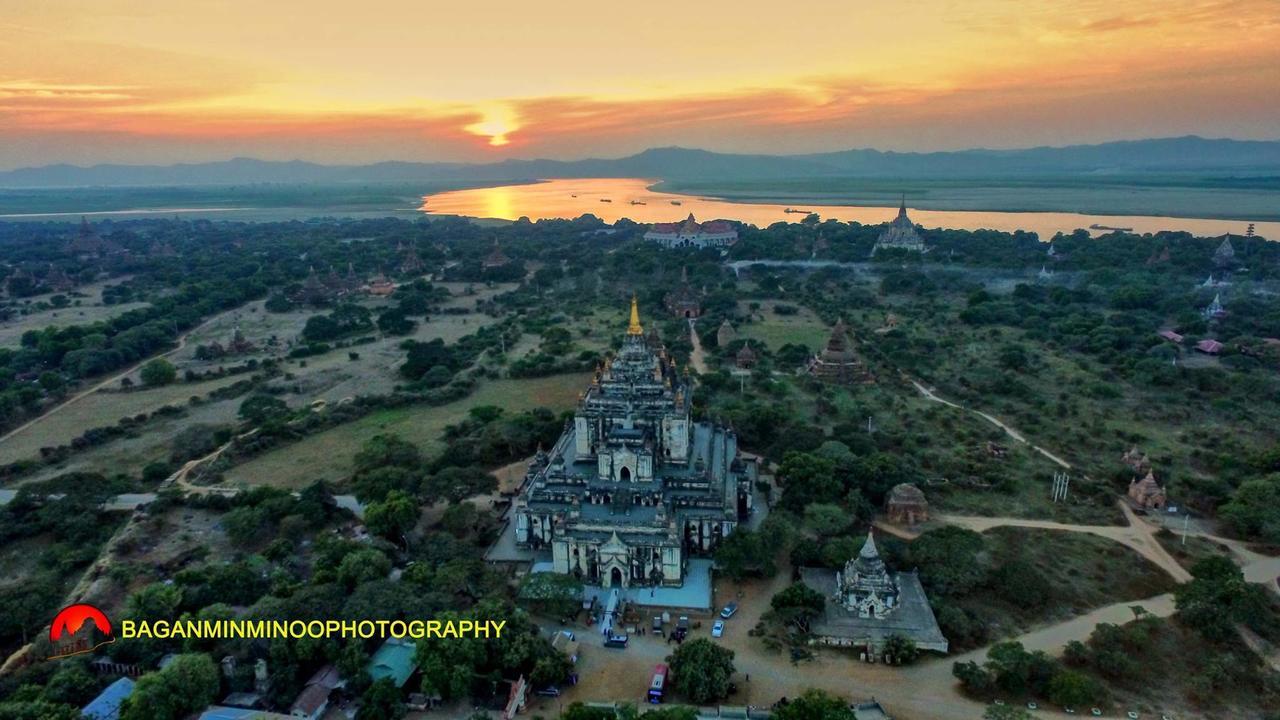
572, 198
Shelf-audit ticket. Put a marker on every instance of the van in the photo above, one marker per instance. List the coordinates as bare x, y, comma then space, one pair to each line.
616, 641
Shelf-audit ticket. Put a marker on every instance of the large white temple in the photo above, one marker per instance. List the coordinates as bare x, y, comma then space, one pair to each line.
634, 487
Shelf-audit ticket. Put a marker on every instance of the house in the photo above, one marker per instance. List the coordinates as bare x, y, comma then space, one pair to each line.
1209, 347
1171, 336
393, 660
314, 698
107, 705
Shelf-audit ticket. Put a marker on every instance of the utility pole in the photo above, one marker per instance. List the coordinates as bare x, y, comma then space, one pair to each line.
1061, 484
1186, 521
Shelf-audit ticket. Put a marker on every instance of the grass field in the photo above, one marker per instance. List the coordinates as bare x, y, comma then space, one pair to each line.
1084, 572
100, 409
774, 330
89, 310
328, 455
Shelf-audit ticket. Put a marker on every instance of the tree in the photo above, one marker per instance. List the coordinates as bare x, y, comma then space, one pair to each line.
900, 649
385, 449
156, 601
700, 669
746, 553
1254, 509
374, 485
393, 517
362, 566
814, 705
826, 519
72, 684
1217, 597
381, 701
158, 372
260, 408
186, 685
975, 679
798, 606
37, 709
808, 478
1072, 688
948, 560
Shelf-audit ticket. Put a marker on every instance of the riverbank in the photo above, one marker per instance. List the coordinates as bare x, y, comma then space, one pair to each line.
1249, 199
636, 199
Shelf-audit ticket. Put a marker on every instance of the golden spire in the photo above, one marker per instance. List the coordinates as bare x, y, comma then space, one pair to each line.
634, 328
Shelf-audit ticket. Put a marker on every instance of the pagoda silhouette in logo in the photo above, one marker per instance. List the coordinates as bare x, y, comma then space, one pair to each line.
77, 629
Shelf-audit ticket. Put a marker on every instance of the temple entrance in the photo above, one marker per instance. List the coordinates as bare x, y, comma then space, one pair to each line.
615, 578
625, 475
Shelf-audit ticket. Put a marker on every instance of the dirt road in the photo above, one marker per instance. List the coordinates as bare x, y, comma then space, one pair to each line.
114, 379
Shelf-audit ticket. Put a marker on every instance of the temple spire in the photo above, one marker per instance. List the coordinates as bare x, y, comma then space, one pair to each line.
869, 550
635, 328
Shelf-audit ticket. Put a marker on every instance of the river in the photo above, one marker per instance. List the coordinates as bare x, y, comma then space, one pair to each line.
631, 198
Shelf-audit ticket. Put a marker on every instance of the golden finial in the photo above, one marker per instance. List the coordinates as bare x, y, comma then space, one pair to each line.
634, 328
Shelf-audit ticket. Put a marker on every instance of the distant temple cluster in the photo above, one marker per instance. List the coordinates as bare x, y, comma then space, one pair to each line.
866, 605
900, 235
691, 233
633, 488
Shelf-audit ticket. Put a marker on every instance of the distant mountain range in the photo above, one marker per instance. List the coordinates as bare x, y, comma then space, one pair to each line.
1189, 154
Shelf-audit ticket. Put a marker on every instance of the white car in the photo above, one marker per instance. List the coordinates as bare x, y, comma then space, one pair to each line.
717, 630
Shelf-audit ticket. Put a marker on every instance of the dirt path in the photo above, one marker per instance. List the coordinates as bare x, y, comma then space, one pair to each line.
929, 395
1137, 535
179, 477
182, 342
697, 358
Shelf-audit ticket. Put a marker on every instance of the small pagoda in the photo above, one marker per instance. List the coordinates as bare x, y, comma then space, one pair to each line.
683, 302
497, 258
865, 586
1225, 255
838, 363
1147, 493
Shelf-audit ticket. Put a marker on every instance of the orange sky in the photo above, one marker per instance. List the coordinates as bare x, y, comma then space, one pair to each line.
144, 81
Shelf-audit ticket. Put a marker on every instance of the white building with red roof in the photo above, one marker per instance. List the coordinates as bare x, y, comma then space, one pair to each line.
691, 233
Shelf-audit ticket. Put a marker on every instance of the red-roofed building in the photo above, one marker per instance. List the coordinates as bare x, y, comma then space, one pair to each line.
691, 233
1209, 347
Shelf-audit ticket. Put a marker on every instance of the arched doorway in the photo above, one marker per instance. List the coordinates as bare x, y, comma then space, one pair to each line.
615, 578
625, 475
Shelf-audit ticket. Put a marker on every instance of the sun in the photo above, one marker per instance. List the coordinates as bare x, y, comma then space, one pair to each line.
496, 125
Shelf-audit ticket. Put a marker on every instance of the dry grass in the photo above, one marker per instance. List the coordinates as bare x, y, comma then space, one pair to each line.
328, 455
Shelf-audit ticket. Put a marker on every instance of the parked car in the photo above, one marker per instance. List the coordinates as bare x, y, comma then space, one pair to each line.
682, 627
729, 610
717, 630
616, 641
552, 691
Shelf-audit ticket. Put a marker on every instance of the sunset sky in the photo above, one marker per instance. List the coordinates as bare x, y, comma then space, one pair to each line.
138, 81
